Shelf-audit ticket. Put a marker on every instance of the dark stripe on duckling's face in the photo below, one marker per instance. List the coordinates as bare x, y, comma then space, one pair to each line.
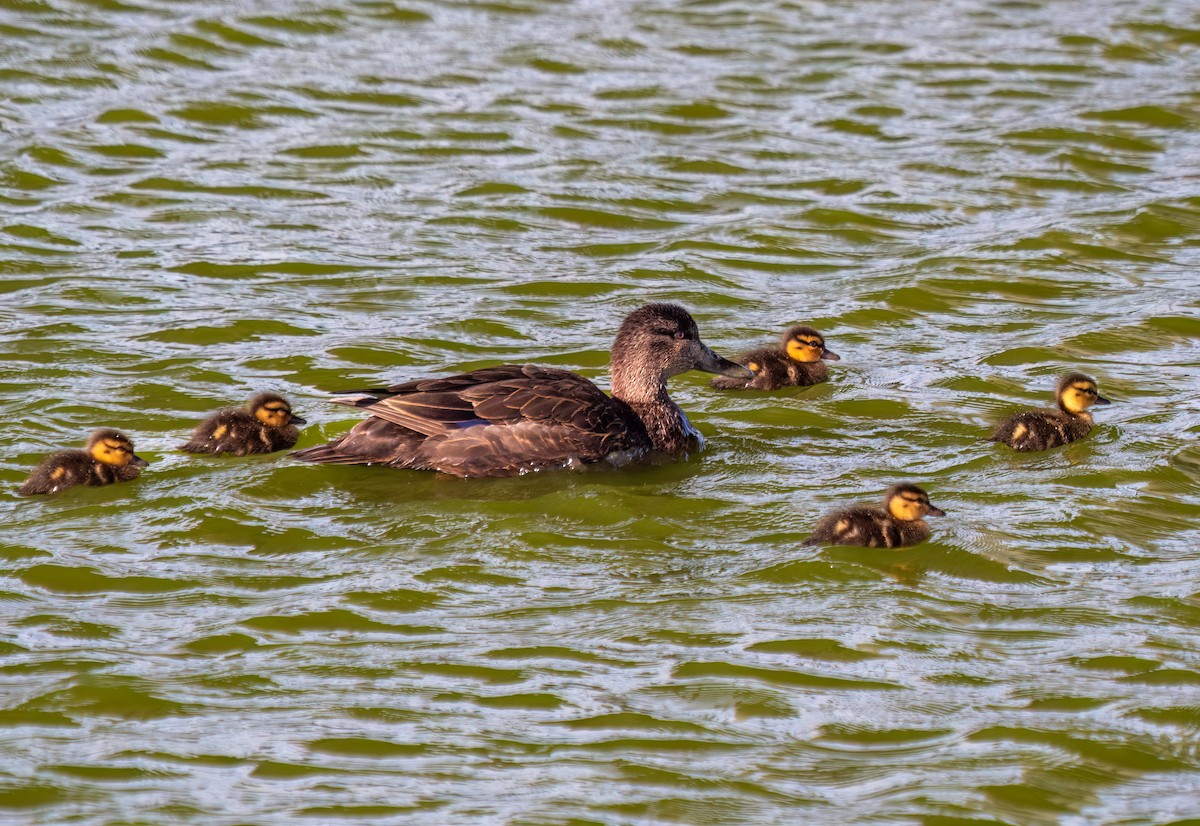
274, 414
1080, 395
807, 349
909, 503
116, 452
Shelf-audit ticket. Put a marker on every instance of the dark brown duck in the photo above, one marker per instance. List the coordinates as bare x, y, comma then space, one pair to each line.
798, 361
1043, 429
899, 523
265, 424
107, 458
509, 420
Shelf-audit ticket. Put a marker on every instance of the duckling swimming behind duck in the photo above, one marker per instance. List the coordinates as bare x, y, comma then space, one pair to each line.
899, 523
264, 425
797, 361
108, 458
1043, 429
510, 420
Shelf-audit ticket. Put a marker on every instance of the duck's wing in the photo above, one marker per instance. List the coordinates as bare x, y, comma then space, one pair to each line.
499, 421
505, 395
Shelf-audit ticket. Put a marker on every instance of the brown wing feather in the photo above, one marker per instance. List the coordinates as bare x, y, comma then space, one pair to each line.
497, 421
373, 441
499, 395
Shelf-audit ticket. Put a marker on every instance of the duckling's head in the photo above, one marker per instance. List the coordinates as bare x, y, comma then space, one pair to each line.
272, 410
804, 344
658, 341
1077, 392
110, 447
909, 503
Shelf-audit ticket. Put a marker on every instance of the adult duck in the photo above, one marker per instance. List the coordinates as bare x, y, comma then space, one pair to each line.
513, 419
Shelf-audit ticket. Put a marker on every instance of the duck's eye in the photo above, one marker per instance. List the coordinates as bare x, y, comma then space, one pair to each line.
680, 334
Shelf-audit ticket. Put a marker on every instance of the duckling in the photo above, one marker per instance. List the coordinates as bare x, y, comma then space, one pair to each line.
1044, 429
797, 361
511, 420
264, 425
900, 522
108, 458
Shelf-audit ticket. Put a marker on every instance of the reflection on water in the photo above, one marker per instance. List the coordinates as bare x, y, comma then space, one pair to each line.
204, 200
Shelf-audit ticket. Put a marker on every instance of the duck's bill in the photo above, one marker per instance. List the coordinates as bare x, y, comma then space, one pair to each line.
829, 355
297, 420
138, 461
1101, 400
935, 511
710, 362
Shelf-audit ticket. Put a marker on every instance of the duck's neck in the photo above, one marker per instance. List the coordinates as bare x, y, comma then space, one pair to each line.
668, 427
1079, 415
634, 386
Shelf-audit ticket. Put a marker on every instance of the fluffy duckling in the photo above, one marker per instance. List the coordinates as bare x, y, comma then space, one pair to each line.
264, 425
514, 419
797, 361
900, 522
108, 458
1044, 429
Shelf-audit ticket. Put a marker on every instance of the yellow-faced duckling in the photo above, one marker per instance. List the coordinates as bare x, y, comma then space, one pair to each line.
108, 458
797, 361
264, 425
1044, 429
509, 420
900, 522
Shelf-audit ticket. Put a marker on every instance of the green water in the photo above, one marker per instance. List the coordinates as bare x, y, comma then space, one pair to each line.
203, 200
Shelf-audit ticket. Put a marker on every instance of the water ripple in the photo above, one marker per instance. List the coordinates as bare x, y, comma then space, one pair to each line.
206, 201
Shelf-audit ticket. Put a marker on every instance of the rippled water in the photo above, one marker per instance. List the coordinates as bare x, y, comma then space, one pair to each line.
202, 200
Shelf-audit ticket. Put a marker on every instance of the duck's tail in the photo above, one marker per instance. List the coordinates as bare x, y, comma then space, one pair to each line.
328, 454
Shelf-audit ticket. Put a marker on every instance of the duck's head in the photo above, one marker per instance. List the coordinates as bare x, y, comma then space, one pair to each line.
272, 410
658, 341
1077, 392
110, 447
909, 503
803, 343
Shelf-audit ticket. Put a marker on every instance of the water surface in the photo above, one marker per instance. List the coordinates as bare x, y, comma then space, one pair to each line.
204, 200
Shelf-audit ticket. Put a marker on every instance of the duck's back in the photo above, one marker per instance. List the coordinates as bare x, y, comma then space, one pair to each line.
68, 468
498, 421
238, 432
868, 527
1041, 429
